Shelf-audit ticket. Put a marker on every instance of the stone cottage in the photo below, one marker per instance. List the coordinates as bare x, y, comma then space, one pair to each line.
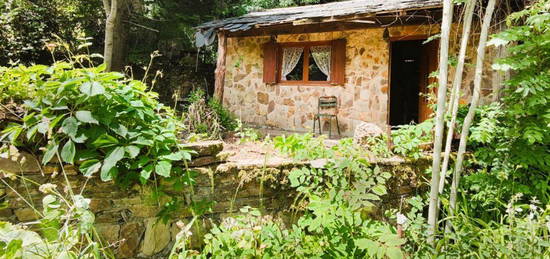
371, 54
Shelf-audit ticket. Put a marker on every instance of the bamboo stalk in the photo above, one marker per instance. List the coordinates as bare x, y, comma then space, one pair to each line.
440, 114
455, 94
475, 99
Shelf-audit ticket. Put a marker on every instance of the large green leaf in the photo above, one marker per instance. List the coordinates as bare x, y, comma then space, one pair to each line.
68, 152
369, 245
43, 127
105, 140
86, 116
89, 167
394, 253
31, 131
146, 171
133, 151
92, 88
70, 126
379, 190
175, 156
163, 168
50, 152
110, 161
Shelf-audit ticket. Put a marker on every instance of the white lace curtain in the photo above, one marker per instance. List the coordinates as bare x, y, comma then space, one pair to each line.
291, 56
321, 55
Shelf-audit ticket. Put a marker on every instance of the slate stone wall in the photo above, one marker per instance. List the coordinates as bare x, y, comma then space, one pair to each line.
127, 217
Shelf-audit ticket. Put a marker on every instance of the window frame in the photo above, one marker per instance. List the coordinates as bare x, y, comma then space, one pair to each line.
305, 70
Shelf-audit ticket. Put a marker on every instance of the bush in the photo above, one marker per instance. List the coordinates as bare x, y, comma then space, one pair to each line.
408, 139
337, 198
66, 227
100, 121
207, 117
522, 232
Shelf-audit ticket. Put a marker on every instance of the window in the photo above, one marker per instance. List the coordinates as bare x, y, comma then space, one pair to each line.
314, 63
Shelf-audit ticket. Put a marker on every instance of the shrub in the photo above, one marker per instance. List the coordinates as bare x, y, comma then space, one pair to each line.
522, 232
100, 121
227, 119
66, 230
409, 139
207, 117
334, 224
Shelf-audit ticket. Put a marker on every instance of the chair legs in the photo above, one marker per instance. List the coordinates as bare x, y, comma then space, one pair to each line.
330, 128
317, 119
337, 126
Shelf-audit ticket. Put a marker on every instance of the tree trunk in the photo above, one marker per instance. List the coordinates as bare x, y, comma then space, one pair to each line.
116, 33
440, 114
220, 67
475, 99
111, 10
457, 82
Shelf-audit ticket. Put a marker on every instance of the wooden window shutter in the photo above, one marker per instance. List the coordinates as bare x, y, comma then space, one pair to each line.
338, 61
270, 50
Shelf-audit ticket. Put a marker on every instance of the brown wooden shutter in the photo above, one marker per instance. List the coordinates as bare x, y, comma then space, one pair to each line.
338, 61
270, 50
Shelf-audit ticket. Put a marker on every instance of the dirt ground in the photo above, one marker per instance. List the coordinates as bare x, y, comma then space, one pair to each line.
253, 152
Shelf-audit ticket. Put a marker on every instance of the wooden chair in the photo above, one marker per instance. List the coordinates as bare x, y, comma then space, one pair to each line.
325, 104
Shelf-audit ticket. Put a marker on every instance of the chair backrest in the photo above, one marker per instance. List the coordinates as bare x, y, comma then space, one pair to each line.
327, 102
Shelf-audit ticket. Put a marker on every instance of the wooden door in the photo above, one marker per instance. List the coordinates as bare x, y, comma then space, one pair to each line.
428, 64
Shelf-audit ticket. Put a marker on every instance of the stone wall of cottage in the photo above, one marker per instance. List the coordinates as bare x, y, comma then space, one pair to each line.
127, 217
363, 97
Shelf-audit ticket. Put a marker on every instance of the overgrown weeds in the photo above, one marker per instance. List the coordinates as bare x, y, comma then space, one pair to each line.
207, 117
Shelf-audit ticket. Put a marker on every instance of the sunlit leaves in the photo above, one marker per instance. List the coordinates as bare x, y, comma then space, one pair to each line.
132, 151
86, 117
163, 168
105, 140
146, 171
68, 152
110, 162
97, 120
92, 88
70, 126
51, 150
89, 167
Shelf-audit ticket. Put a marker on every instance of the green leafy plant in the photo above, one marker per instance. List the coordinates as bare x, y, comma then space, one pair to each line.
522, 232
207, 116
409, 139
337, 196
100, 121
302, 146
246, 134
511, 139
66, 230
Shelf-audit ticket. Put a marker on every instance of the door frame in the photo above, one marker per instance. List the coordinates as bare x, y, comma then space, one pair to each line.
390, 41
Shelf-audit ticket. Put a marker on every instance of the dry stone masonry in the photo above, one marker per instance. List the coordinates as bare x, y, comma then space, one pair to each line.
128, 218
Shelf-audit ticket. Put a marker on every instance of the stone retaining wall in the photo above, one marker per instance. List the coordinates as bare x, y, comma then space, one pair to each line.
128, 216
